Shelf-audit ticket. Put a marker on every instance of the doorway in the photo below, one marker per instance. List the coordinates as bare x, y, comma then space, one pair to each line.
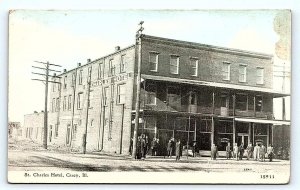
243, 138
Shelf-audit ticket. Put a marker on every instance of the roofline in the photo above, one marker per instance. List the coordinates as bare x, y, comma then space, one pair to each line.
103, 57
209, 47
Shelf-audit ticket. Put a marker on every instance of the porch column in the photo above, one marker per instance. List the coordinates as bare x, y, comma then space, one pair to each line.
212, 130
213, 102
253, 126
233, 131
249, 133
254, 105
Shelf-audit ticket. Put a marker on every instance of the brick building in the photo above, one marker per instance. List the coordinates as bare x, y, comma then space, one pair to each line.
189, 91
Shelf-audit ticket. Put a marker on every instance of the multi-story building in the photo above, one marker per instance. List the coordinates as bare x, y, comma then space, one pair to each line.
189, 91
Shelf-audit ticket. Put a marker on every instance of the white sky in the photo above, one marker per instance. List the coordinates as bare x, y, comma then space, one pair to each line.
69, 37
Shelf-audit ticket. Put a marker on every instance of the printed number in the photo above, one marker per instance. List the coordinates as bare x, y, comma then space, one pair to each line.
267, 176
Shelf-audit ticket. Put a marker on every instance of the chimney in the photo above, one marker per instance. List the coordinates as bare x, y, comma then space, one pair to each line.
78, 64
117, 48
88, 60
65, 70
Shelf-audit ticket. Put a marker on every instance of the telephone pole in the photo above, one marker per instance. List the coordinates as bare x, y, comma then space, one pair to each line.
87, 110
138, 87
46, 81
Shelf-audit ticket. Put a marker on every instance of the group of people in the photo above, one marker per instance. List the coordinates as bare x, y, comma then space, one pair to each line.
143, 147
257, 152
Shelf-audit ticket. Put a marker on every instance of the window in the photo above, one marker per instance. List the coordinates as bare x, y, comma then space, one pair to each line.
226, 71
53, 86
100, 70
89, 72
80, 77
122, 64
259, 75
69, 102
105, 96
65, 103
121, 94
193, 98
112, 68
73, 79
194, 67
153, 61
173, 97
225, 127
53, 105
205, 126
241, 102
242, 73
56, 131
174, 64
57, 104
91, 98
258, 103
65, 82
151, 94
92, 122
80, 100
150, 122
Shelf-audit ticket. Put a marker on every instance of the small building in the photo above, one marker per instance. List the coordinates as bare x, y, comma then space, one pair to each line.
14, 130
189, 91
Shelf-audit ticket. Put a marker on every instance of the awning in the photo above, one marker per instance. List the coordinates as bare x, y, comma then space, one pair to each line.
274, 122
215, 84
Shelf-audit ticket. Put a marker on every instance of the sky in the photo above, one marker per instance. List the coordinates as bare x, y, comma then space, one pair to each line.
68, 37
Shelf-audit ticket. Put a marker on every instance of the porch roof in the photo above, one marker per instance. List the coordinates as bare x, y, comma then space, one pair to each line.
274, 122
215, 84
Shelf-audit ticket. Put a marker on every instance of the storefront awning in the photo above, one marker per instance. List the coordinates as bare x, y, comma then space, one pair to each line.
215, 84
274, 122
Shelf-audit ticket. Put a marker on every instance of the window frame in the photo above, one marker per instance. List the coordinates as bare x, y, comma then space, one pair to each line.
261, 82
247, 102
177, 61
227, 72
119, 95
244, 66
193, 68
122, 64
148, 94
112, 68
156, 61
80, 77
70, 102
79, 100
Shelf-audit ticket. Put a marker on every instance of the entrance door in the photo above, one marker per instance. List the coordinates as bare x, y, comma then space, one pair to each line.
243, 138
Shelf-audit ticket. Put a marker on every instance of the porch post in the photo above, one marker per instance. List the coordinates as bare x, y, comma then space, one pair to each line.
234, 131
212, 130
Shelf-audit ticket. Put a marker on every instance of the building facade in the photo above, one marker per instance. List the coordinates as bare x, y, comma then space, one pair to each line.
189, 91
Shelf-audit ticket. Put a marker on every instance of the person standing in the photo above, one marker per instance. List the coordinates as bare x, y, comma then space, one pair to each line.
236, 151
256, 152
143, 148
270, 153
178, 150
138, 148
214, 152
249, 150
241, 151
170, 148
194, 148
262, 152
228, 151
154, 147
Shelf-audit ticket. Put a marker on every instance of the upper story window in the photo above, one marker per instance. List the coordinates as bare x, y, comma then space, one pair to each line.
122, 64
174, 64
73, 79
89, 73
173, 96
80, 77
242, 73
65, 81
53, 105
241, 102
80, 100
259, 75
226, 71
65, 103
151, 94
258, 103
121, 92
194, 67
69, 102
54, 85
153, 61
112, 68
100, 70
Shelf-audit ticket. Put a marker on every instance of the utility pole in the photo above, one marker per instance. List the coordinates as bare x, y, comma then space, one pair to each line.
138, 87
46, 81
87, 110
